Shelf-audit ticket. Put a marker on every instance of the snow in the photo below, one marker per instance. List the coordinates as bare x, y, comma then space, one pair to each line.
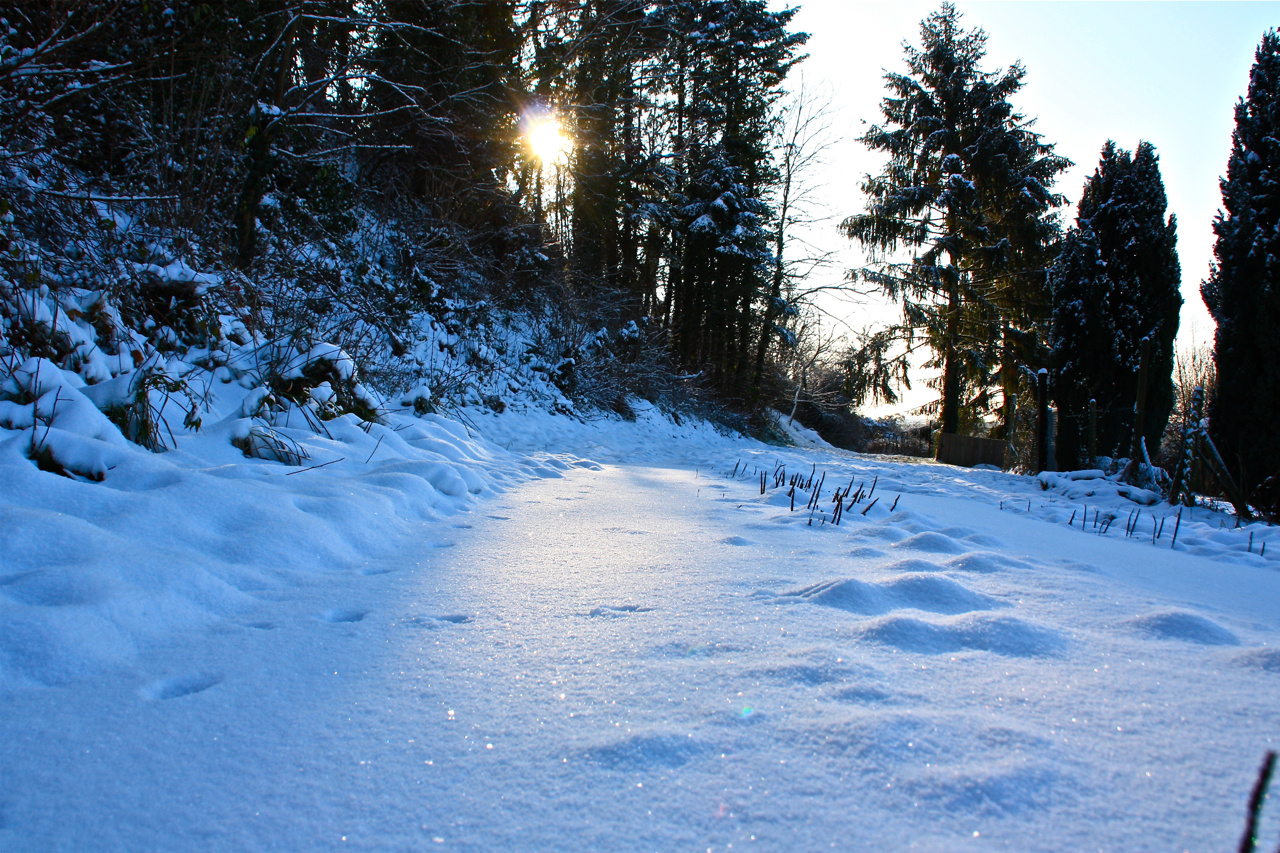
537, 631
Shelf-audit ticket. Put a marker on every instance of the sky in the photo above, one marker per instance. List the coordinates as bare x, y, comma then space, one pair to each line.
1167, 73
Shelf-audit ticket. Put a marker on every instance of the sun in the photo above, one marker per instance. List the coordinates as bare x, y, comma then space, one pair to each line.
546, 139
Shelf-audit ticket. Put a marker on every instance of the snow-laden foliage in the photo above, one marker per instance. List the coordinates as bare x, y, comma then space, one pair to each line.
1116, 284
1243, 288
966, 191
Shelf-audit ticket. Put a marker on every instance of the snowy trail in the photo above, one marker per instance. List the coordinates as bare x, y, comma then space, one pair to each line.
658, 658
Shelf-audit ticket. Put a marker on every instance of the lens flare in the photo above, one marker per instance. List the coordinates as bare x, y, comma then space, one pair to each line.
547, 141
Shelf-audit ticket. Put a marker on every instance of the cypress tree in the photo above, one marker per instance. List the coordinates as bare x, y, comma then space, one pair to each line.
1243, 288
1083, 338
1123, 209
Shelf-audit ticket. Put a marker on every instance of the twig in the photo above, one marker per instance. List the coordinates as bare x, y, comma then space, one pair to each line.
1249, 842
53, 413
375, 448
321, 465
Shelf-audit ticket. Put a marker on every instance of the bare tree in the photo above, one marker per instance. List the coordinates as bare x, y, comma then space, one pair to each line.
802, 139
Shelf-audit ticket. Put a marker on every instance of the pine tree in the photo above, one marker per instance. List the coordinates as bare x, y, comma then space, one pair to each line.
1123, 207
443, 104
613, 38
1243, 288
967, 188
730, 58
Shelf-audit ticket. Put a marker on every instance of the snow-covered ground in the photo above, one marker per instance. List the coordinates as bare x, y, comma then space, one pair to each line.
536, 633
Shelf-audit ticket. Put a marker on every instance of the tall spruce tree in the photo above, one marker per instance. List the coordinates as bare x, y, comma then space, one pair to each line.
1123, 208
967, 189
1243, 288
730, 58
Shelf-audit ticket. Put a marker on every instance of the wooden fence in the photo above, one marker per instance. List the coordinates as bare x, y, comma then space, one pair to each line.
967, 451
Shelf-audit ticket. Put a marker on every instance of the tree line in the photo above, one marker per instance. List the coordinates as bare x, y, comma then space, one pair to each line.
273, 136
964, 232
269, 123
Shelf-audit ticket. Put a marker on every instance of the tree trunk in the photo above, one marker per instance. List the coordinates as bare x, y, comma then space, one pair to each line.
775, 287
951, 358
1008, 382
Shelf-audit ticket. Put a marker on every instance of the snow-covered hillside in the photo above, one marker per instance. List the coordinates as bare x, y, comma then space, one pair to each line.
535, 632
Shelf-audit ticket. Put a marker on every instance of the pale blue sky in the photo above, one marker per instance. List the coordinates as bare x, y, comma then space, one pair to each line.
1169, 73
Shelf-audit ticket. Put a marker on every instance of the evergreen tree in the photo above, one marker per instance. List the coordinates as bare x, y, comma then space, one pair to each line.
1243, 288
1082, 339
441, 99
1123, 208
967, 188
730, 60
614, 38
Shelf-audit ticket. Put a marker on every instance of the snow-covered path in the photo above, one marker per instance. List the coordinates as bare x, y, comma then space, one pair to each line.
658, 658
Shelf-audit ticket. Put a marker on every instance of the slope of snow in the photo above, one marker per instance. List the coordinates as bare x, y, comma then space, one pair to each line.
539, 632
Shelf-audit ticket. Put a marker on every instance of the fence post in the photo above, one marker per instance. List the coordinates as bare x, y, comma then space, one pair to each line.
1042, 420
1051, 439
1184, 474
1138, 453
1093, 432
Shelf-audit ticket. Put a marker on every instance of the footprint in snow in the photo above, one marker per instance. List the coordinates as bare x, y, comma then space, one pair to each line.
432, 623
182, 685
1267, 660
862, 696
804, 674
736, 540
1006, 788
52, 588
612, 612
343, 614
643, 751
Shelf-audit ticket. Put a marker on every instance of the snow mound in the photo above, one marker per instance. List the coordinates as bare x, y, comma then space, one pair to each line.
1002, 635
800, 436
912, 591
937, 543
131, 547
1094, 486
1185, 626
